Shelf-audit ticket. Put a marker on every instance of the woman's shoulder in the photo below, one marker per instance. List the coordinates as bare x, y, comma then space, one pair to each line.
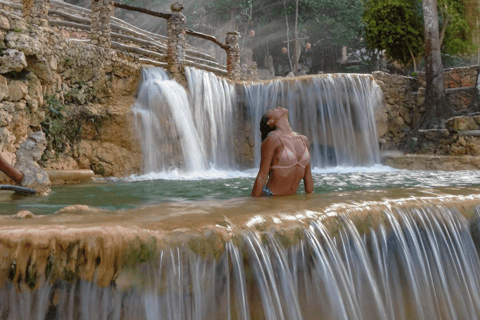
304, 138
272, 137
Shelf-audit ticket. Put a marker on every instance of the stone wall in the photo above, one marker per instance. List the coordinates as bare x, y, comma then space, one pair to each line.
73, 91
404, 97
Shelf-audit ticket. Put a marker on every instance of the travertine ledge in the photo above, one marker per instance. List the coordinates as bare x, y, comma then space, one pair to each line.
431, 162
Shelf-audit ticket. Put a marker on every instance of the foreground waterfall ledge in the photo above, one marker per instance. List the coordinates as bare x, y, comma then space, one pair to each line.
376, 258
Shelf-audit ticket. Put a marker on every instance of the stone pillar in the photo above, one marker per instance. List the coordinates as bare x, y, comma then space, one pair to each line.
176, 33
233, 55
100, 27
36, 12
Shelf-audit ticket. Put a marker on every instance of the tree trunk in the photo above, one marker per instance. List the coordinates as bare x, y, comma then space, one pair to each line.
296, 56
437, 108
475, 103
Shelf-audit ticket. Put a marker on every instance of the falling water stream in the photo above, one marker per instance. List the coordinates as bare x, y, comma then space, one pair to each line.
195, 129
180, 129
335, 112
417, 262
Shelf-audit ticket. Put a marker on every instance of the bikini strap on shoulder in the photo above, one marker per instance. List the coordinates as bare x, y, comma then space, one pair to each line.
276, 134
304, 139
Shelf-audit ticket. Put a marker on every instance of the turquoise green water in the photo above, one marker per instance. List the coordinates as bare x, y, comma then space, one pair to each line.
220, 185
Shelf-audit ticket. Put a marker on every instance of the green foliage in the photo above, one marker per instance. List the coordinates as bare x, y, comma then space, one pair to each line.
395, 26
459, 38
61, 131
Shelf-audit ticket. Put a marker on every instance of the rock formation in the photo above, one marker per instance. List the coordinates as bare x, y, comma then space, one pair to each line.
30, 151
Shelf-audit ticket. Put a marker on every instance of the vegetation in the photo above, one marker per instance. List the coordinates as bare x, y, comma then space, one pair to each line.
59, 129
397, 27
63, 126
367, 28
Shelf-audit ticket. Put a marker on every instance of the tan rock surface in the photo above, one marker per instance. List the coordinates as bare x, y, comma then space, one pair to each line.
432, 162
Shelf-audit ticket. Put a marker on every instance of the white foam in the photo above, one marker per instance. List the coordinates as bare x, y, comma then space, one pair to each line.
340, 170
219, 174
210, 174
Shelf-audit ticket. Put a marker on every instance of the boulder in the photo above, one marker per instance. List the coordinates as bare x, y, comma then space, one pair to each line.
4, 23
24, 214
461, 123
30, 151
17, 90
12, 60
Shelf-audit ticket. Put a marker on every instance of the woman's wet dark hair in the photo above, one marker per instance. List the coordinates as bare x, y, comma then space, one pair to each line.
265, 129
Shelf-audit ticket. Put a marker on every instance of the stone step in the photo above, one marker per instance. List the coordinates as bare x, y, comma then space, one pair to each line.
453, 90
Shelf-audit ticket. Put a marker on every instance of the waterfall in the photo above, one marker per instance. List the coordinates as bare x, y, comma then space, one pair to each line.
334, 111
195, 129
419, 263
179, 129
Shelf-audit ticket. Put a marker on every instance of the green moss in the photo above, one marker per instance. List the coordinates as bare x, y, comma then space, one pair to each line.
289, 237
31, 274
50, 266
210, 246
12, 271
140, 252
70, 276
63, 126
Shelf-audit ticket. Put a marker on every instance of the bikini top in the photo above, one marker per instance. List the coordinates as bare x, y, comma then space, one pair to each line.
288, 158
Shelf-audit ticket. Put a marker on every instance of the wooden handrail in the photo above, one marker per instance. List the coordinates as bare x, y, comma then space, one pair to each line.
167, 16
142, 10
207, 37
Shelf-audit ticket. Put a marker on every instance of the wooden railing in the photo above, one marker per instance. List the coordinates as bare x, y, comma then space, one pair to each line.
171, 51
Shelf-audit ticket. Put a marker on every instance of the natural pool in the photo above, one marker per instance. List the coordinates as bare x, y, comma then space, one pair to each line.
154, 189
371, 243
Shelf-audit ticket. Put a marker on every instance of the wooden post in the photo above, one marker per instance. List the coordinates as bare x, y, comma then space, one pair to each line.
10, 171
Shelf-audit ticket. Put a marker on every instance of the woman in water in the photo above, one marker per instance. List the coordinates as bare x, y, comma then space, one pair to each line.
285, 159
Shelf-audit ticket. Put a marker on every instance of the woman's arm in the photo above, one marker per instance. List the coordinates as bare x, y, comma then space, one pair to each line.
267, 152
308, 180
307, 176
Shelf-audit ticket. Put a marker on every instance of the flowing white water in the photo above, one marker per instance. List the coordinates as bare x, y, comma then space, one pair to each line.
335, 112
213, 100
193, 131
421, 263
190, 131
164, 120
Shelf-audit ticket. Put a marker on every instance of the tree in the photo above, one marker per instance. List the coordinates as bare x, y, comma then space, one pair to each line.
436, 105
396, 27
456, 31
328, 24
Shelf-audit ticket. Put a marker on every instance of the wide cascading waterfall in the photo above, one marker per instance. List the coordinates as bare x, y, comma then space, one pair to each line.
187, 130
335, 112
415, 263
